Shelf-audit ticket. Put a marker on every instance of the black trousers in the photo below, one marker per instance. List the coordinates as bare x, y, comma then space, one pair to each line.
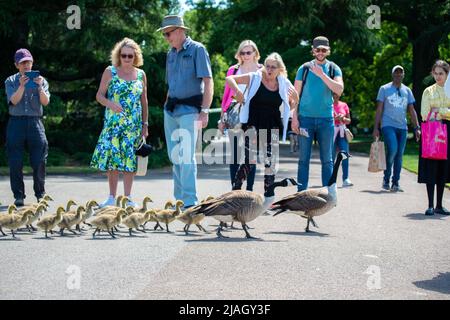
26, 133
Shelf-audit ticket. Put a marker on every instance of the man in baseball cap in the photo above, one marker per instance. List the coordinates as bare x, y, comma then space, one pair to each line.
25, 128
394, 101
316, 81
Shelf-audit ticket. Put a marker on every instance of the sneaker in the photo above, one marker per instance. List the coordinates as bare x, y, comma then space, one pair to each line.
396, 188
385, 185
429, 212
347, 183
130, 203
108, 202
443, 211
18, 203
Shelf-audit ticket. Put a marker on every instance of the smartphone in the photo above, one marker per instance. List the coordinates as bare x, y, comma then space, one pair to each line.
32, 75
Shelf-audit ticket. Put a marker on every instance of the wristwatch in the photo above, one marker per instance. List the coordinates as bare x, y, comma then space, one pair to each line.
205, 110
145, 123
416, 128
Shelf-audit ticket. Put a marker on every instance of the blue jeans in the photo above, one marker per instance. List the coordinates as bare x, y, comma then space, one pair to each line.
323, 130
181, 137
395, 141
26, 133
341, 144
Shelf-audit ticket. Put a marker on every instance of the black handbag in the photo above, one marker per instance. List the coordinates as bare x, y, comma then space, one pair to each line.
144, 149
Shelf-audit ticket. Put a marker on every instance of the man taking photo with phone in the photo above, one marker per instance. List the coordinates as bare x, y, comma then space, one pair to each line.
25, 129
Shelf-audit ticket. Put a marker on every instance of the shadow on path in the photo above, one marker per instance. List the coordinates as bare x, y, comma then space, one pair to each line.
299, 233
440, 283
422, 216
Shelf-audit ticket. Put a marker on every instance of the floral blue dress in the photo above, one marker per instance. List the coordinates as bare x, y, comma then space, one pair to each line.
121, 132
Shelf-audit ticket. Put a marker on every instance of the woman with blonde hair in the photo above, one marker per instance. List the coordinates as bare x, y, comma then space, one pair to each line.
268, 89
123, 93
247, 56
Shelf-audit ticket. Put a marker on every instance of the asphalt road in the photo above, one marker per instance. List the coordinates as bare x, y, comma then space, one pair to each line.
373, 245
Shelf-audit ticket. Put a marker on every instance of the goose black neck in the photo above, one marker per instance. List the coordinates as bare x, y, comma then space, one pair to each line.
271, 189
333, 177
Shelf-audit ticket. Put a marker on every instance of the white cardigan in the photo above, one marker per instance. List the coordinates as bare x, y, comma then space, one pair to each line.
283, 84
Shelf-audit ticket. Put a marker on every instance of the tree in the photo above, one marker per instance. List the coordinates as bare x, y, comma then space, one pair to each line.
428, 26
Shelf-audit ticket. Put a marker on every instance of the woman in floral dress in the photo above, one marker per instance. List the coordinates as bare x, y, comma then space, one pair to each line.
123, 92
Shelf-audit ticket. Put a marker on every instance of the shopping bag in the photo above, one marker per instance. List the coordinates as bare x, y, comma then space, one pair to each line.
348, 135
141, 165
377, 159
434, 139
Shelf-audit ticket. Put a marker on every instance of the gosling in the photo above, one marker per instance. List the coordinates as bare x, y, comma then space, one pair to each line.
137, 219
107, 222
70, 219
49, 222
167, 216
14, 221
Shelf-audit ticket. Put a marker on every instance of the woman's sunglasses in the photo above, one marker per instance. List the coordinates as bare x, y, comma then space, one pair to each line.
268, 66
124, 56
248, 53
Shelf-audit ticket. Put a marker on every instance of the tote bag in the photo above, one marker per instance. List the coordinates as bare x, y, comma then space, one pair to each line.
377, 159
434, 139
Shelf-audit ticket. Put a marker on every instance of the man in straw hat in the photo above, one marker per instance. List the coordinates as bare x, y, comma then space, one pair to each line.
189, 77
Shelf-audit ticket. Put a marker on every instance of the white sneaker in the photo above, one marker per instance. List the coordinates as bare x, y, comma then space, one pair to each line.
108, 202
347, 183
130, 203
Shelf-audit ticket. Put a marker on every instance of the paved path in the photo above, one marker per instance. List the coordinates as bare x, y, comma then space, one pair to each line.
373, 245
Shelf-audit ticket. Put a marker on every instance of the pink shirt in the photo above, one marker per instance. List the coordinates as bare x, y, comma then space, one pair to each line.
228, 93
340, 108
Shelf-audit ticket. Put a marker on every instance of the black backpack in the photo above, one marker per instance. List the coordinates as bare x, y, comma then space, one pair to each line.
306, 67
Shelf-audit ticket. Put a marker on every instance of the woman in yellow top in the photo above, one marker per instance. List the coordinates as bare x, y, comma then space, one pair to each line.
436, 172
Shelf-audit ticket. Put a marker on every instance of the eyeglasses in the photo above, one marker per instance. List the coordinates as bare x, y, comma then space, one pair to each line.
125, 56
398, 92
323, 50
268, 66
167, 34
248, 53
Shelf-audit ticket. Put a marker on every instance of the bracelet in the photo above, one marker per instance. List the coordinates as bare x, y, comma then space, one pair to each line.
145, 123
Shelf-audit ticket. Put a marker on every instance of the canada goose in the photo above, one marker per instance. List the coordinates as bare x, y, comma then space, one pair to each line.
168, 205
107, 222
144, 207
10, 210
310, 203
13, 221
90, 205
47, 223
136, 219
167, 216
33, 206
113, 209
38, 212
239, 205
118, 204
69, 204
70, 219
188, 218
